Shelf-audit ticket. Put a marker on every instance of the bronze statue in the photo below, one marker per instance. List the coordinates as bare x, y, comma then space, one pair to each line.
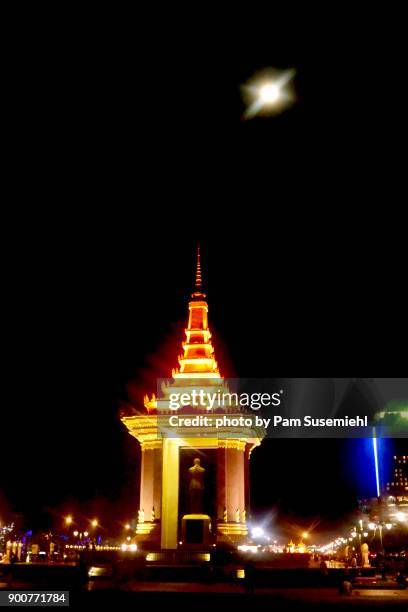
196, 487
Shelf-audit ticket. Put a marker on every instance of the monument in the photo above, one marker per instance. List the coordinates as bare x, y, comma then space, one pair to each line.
194, 489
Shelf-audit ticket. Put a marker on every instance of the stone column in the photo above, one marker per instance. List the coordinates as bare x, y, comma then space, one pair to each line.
151, 480
222, 512
169, 515
231, 497
235, 482
149, 512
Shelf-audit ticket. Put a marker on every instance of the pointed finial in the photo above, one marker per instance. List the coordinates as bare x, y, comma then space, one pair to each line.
198, 293
198, 279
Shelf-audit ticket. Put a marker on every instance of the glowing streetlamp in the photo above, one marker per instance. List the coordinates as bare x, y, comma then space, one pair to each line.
68, 520
127, 526
257, 532
305, 535
94, 523
269, 93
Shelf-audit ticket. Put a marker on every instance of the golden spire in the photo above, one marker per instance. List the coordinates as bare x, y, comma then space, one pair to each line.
198, 279
198, 293
197, 359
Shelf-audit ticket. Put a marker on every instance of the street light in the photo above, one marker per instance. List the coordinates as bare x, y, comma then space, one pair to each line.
257, 532
68, 520
94, 522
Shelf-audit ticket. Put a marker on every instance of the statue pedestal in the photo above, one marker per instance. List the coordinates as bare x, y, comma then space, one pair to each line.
196, 531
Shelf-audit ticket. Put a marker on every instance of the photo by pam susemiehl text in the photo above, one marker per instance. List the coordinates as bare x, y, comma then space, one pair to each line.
202, 421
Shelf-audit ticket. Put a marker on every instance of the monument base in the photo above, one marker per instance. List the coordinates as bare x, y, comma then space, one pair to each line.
232, 533
148, 535
196, 531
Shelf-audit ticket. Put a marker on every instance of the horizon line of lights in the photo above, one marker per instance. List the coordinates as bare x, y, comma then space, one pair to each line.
128, 547
84, 546
400, 517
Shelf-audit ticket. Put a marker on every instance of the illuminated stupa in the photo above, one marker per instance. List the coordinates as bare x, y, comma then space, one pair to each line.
164, 521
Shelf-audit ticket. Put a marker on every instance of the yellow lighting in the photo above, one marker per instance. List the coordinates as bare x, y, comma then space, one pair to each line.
94, 523
127, 526
161, 525
196, 375
86, 534
68, 520
252, 548
305, 534
75, 533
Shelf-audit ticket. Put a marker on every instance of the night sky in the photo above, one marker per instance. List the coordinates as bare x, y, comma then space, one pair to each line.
119, 159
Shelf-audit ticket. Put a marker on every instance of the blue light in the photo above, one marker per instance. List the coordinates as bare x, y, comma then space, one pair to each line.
377, 472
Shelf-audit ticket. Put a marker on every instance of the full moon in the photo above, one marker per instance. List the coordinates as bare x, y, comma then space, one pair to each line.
269, 93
